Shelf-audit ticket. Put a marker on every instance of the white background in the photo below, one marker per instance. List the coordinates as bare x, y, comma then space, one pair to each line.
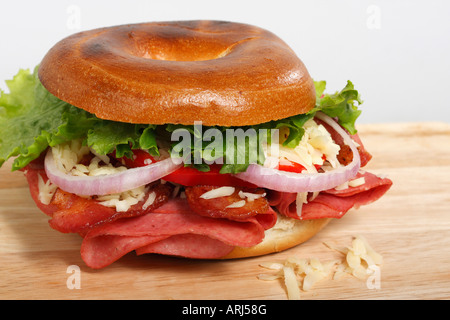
397, 53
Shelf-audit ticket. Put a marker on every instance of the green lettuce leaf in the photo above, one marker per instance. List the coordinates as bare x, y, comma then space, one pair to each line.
343, 104
203, 149
295, 125
32, 119
108, 136
320, 88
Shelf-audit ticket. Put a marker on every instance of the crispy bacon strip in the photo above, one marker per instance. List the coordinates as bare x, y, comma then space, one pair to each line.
87, 213
217, 207
73, 214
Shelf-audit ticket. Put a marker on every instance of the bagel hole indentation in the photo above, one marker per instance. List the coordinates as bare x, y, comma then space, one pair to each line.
183, 49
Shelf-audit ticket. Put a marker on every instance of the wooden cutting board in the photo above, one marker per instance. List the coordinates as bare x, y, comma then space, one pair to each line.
409, 226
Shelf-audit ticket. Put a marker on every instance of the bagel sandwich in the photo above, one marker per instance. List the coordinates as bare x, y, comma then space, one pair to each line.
197, 139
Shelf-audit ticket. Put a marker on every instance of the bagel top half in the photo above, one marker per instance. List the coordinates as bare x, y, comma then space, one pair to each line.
220, 73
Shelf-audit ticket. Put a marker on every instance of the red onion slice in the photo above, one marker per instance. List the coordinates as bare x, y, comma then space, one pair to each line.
111, 183
305, 182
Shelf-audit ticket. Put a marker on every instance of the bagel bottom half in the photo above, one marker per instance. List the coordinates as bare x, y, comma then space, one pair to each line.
287, 233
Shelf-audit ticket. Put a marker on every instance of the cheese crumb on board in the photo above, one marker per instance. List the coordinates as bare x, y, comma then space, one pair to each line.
301, 274
358, 258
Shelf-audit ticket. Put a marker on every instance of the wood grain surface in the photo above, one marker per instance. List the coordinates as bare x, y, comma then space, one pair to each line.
409, 226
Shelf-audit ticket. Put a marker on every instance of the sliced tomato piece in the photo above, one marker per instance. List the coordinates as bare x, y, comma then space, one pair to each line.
141, 158
188, 176
291, 166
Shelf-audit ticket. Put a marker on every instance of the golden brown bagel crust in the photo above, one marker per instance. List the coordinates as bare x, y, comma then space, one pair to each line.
277, 240
220, 73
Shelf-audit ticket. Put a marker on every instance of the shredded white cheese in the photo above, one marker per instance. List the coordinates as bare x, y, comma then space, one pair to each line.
303, 274
315, 143
67, 157
382, 175
352, 183
314, 195
357, 182
46, 190
299, 201
218, 192
291, 283
271, 162
237, 204
251, 196
358, 258
124, 200
150, 199
342, 186
307, 273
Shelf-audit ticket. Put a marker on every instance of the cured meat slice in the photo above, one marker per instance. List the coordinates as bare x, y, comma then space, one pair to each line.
332, 203
105, 244
175, 217
102, 251
363, 153
171, 228
189, 246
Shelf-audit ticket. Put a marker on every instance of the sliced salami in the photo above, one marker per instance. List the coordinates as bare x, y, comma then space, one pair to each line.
332, 203
107, 243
